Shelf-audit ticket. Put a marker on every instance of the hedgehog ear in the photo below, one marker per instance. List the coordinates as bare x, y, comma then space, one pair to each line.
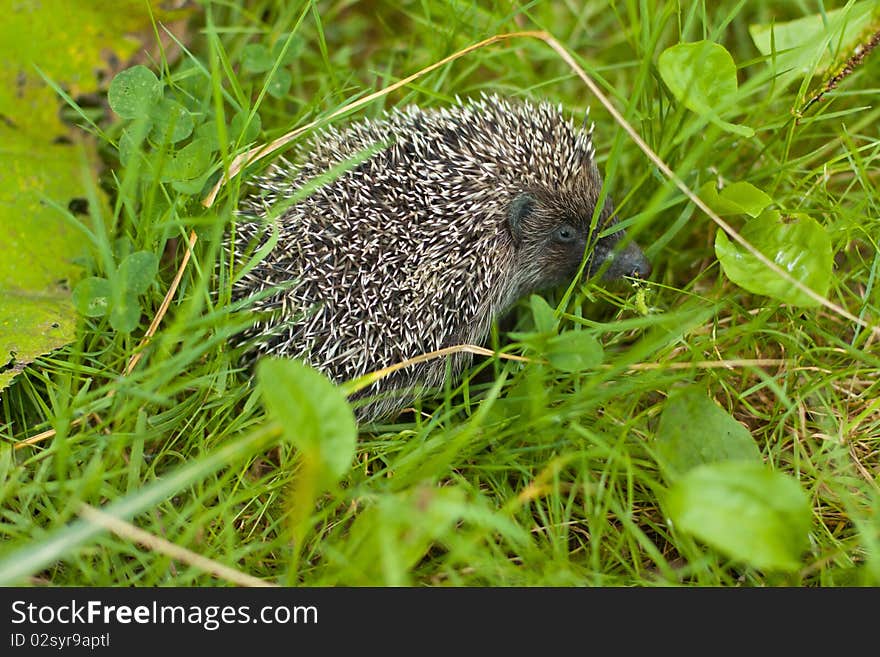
521, 207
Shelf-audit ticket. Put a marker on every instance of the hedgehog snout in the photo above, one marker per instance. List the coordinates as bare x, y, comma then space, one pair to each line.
630, 261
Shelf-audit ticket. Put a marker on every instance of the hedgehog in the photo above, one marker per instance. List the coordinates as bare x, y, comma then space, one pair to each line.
443, 219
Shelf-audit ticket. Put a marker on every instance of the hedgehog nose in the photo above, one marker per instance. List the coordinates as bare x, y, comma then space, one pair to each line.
631, 261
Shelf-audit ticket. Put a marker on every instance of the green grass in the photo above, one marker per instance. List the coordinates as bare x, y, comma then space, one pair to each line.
519, 475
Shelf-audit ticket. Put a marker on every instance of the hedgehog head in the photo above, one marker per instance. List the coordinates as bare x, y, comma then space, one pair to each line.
550, 229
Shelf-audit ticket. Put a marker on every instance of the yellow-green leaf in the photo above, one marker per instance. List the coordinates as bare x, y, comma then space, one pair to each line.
574, 351
39, 246
133, 92
735, 198
796, 242
744, 510
314, 414
694, 430
702, 76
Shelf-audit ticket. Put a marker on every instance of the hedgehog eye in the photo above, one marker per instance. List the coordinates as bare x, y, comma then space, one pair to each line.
565, 234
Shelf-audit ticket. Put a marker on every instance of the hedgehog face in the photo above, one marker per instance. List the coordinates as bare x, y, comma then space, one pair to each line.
628, 261
550, 233
609, 258
548, 244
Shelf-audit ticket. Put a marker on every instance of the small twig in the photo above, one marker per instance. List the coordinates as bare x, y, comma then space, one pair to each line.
362, 382
867, 476
40, 437
137, 535
163, 308
730, 363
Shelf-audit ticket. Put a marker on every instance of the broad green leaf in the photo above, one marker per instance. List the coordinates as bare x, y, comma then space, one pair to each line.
189, 162
194, 186
122, 247
39, 245
314, 414
255, 58
208, 132
745, 511
30, 325
171, 121
795, 242
280, 83
574, 351
134, 92
808, 46
134, 276
138, 271
246, 134
91, 296
297, 43
702, 76
735, 198
125, 312
694, 430
131, 146
543, 314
